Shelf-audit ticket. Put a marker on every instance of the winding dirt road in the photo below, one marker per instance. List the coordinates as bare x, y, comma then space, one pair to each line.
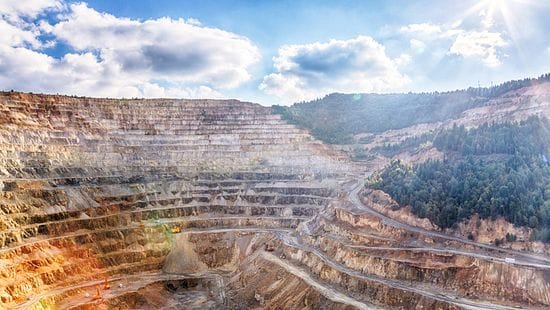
521, 258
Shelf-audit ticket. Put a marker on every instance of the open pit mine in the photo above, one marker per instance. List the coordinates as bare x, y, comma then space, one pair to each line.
217, 204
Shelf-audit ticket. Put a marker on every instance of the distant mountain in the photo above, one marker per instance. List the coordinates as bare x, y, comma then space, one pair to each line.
338, 118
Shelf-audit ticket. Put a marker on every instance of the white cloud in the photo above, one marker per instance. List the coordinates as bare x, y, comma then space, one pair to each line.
487, 20
15, 27
427, 32
483, 46
15, 36
28, 70
475, 44
423, 29
120, 57
174, 49
13, 10
403, 60
82, 74
155, 91
311, 70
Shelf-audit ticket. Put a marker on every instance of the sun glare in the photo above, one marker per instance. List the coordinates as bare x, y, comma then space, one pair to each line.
497, 5
503, 16
489, 8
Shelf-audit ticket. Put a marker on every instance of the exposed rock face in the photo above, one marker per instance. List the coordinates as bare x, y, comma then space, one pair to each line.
95, 188
65, 137
213, 204
451, 264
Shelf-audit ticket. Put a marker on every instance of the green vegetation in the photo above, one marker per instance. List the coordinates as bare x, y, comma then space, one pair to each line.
525, 139
494, 170
503, 138
411, 143
336, 118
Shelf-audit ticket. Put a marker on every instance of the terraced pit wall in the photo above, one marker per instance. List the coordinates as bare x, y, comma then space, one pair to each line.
95, 189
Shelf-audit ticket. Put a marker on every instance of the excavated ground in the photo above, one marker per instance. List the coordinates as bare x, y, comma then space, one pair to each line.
191, 204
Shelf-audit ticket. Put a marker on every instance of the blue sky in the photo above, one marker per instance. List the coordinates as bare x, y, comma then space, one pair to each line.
271, 52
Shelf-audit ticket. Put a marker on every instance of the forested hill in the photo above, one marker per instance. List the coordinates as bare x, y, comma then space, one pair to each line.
493, 170
336, 118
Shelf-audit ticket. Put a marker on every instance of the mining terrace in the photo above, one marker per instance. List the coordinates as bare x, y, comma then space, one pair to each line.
217, 204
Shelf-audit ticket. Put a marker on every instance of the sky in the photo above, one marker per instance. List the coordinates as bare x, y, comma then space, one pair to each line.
269, 52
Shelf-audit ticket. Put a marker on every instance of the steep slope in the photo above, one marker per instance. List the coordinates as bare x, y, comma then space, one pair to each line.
63, 136
98, 188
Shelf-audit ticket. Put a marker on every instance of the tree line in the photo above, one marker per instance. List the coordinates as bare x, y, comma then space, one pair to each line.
337, 118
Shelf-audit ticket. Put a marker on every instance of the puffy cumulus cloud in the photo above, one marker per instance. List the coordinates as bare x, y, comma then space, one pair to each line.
120, 57
28, 70
479, 45
16, 36
483, 46
177, 50
14, 10
308, 71
83, 74
16, 21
